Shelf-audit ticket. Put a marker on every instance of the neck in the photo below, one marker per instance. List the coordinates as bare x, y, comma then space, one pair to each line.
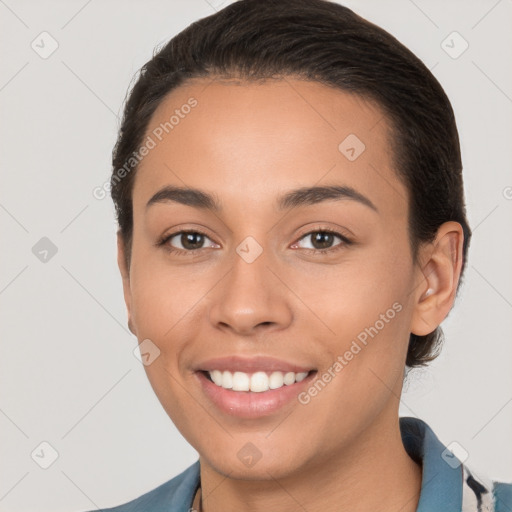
358, 479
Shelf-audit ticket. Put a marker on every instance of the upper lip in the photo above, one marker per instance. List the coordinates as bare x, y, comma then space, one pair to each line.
251, 364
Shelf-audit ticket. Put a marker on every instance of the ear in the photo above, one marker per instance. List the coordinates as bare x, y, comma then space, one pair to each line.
125, 275
439, 276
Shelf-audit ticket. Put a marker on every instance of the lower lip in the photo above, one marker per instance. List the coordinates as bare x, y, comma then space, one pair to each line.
247, 404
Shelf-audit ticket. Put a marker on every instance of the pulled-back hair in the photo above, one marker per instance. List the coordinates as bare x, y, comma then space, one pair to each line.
325, 42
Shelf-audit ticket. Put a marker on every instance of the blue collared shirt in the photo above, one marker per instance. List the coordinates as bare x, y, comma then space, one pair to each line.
443, 479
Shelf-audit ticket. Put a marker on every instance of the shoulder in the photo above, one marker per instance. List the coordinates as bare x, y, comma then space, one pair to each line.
175, 495
502, 493
444, 472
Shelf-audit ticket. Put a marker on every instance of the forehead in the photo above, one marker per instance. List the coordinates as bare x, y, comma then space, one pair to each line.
246, 142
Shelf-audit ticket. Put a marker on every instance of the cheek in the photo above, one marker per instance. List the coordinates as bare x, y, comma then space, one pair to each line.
160, 294
152, 309
163, 312
367, 308
350, 297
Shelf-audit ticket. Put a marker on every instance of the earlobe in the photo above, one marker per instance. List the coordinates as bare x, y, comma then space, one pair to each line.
439, 279
125, 275
130, 326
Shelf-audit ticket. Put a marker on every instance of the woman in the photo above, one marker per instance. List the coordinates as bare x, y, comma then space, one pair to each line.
292, 232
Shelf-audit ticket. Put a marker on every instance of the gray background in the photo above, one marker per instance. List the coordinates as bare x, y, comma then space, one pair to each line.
68, 373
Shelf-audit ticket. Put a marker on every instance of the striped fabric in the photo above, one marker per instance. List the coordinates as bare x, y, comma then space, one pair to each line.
477, 493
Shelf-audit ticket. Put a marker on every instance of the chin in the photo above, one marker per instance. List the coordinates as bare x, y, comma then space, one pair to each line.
261, 470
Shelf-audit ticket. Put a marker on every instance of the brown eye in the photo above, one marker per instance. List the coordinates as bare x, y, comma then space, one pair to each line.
323, 240
190, 240
186, 242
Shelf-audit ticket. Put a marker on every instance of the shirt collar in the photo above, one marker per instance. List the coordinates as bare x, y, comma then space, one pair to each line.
441, 483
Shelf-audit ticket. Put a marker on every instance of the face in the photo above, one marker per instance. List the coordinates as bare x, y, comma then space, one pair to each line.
302, 301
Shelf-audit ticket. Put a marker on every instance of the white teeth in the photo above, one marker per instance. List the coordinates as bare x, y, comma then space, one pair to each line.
227, 380
241, 381
276, 380
301, 376
216, 376
289, 378
257, 382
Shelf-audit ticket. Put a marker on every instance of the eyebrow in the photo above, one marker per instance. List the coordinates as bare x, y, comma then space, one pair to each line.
304, 196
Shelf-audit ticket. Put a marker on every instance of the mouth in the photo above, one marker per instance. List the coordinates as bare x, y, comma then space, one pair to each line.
253, 388
256, 382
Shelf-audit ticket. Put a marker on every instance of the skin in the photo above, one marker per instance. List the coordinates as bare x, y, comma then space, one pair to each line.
248, 144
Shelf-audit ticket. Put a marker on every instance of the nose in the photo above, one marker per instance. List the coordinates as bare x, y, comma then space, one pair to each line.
250, 298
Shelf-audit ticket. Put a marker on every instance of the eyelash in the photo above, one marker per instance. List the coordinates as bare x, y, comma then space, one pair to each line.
344, 242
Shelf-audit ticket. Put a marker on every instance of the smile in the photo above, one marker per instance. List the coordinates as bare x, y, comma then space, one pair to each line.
257, 382
252, 387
